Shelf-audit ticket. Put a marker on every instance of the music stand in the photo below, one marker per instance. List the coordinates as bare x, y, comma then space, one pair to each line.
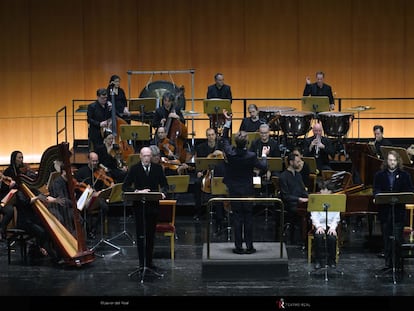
311, 161
315, 103
203, 164
143, 105
135, 133
251, 136
133, 159
143, 197
178, 184
392, 199
322, 203
219, 188
103, 195
405, 158
215, 107
115, 197
273, 164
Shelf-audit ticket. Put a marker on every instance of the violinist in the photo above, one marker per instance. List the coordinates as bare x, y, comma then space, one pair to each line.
171, 167
167, 110
16, 167
95, 176
166, 146
110, 156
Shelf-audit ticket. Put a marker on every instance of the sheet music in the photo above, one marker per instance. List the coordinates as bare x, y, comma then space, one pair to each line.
84, 198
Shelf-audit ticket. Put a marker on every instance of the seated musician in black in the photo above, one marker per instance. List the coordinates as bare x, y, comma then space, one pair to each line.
165, 145
111, 159
252, 123
29, 221
380, 140
96, 177
16, 167
320, 147
293, 194
265, 140
209, 148
167, 111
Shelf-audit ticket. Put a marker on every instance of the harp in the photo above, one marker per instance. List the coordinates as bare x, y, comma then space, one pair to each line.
72, 249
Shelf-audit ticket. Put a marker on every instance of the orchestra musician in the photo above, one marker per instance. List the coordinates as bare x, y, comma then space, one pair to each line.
16, 167
218, 90
380, 140
110, 156
320, 147
98, 117
95, 176
166, 146
265, 140
117, 94
209, 148
252, 123
319, 88
171, 167
166, 110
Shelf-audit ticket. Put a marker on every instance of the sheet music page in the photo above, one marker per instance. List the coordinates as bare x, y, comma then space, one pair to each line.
84, 198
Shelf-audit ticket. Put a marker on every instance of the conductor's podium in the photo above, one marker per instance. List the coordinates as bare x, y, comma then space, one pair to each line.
265, 264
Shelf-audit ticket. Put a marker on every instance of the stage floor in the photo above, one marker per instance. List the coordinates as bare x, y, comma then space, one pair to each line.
106, 279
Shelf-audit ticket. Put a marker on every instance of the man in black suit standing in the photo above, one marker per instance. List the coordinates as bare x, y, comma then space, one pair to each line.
319, 88
99, 115
392, 178
238, 177
146, 176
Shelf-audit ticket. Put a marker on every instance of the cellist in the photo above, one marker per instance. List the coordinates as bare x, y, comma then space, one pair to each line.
165, 111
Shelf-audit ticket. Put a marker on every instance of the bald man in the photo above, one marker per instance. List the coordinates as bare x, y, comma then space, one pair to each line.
320, 147
146, 176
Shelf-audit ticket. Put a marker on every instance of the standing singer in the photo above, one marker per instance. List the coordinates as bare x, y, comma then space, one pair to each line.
146, 176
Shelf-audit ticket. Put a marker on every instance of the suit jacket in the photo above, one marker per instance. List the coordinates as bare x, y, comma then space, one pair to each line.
238, 175
323, 158
214, 92
137, 179
402, 183
314, 90
95, 115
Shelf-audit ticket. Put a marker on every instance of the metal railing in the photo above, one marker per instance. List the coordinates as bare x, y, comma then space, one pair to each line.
275, 201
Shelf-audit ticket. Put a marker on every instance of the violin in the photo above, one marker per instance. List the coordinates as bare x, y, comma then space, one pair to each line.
166, 146
206, 181
174, 165
100, 174
81, 186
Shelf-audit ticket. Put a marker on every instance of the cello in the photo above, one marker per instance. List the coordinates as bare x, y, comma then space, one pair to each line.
178, 133
115, 123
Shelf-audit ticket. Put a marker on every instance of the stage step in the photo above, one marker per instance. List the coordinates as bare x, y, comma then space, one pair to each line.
223, 264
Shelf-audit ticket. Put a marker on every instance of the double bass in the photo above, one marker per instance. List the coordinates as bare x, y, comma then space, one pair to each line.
178, 133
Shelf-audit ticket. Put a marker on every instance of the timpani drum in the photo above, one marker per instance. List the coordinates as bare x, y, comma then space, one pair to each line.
336, 123
296, 123
271, 115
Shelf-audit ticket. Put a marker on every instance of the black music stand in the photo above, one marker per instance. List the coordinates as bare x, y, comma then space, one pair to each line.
392, 199
273, 164
322, 203
115, 197
135, 133
315, 104
215, 107
143, 197
143, 105
103, 195
203, 164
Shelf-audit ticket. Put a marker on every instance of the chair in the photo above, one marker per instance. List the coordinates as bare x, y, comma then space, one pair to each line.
166, 222
407, 247
310, 243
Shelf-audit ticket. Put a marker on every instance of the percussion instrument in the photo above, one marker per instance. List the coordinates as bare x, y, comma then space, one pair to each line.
336, 123
271, 115
296, 123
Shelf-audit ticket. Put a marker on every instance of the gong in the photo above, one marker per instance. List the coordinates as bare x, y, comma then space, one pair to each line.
158, 88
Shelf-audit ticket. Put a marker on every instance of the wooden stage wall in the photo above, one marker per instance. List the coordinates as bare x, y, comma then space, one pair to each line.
56, 51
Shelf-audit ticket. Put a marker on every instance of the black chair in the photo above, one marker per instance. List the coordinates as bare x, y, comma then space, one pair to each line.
20, 238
